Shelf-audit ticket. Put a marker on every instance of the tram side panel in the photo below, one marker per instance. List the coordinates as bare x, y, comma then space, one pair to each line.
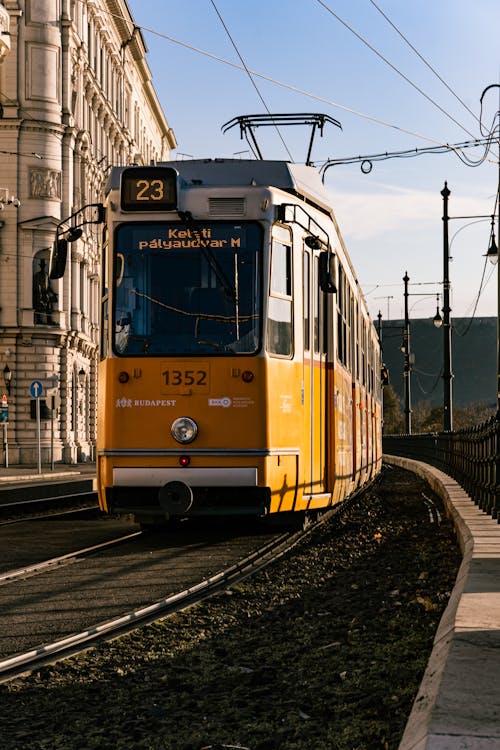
284, 434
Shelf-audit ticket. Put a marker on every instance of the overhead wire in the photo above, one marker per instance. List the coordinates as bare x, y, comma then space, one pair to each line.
393, 67
482, 286
422, 58
457, 148
20, 153
497, 114
428, 375
282, 84
251, 79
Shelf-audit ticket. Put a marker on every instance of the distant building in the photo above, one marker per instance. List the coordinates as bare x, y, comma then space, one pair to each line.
75, 98
474, 364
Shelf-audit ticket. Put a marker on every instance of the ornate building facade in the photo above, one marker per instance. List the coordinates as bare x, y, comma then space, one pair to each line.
75, 98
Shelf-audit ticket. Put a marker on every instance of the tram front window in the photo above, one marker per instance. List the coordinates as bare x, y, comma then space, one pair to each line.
187, 289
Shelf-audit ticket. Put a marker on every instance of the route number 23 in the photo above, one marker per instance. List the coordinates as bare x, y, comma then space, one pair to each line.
150, 190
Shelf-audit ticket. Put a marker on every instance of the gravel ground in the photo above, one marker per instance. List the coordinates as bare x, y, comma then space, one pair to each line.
324, 650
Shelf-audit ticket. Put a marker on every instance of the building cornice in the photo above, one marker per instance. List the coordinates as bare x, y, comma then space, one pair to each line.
40, 223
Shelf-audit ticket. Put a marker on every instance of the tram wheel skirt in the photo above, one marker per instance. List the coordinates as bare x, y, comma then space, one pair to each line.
147, 501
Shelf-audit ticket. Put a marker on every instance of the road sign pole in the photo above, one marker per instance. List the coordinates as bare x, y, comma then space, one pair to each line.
36, 390
38, 435
52, 398
6, 445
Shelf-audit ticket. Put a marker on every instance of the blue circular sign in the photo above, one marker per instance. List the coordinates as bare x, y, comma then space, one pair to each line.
36, 389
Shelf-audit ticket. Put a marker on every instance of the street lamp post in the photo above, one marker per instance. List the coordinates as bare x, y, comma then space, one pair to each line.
447, 371
497, 117
409, 359
492, 254
7, 378
379, 327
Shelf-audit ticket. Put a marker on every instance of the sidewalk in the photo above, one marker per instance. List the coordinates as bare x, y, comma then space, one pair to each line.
458, 703
30, 473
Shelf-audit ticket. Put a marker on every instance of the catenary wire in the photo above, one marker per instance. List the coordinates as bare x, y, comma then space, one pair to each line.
497, 114
422, 58
393, 67
282, 84
482, 287
250, 77
457, 148
434, 386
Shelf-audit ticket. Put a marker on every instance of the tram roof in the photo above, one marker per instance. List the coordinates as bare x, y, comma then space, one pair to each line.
297, 178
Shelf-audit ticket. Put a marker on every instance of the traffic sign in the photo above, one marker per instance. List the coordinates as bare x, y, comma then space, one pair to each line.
4, 401
36, 389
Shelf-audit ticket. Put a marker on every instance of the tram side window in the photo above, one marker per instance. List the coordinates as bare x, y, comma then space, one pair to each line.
363, 355
104, 297
342, 311
306, 301
356, 342
371, 379
279, 322
316, 328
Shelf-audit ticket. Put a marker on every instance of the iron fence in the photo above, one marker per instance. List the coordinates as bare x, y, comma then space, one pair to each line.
470, 455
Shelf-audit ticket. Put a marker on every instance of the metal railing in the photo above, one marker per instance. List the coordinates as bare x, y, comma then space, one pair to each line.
470, 455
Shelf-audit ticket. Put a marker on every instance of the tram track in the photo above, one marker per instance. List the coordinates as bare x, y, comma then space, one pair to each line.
325, 648
45, 565
33, 508
22, 663
241, 567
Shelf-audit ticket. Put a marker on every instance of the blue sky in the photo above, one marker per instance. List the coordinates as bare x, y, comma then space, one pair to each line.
391, 218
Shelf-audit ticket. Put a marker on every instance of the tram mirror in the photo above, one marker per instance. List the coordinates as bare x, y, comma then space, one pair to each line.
313, 242
327, 272
58, 256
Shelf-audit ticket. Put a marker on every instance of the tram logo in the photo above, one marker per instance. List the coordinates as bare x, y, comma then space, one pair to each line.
224, 402
128, 403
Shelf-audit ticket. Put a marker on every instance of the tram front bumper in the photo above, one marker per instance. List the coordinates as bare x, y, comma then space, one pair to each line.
170, 492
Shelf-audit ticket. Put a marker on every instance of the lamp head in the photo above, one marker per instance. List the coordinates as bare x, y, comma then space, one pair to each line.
492, 253
437, 319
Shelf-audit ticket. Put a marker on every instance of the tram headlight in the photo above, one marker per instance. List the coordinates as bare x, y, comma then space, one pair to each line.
184, 430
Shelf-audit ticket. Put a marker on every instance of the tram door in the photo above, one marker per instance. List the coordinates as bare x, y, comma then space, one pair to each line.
314, 377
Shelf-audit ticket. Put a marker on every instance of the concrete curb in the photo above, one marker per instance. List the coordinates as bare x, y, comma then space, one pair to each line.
458, 703
43, 477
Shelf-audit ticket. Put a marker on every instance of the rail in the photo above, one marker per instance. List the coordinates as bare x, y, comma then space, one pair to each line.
470, 455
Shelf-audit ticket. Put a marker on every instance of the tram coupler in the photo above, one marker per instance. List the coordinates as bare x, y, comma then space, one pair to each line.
176, 498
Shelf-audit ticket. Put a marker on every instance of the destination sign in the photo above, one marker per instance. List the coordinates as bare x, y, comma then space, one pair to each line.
191, 239
149, 189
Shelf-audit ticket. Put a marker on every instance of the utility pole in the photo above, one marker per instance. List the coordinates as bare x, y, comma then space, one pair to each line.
447, 372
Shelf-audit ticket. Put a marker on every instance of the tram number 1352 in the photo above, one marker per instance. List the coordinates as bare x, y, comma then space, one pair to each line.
182, 378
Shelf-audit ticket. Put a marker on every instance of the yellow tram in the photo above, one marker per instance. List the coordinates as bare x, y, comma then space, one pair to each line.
239, 369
